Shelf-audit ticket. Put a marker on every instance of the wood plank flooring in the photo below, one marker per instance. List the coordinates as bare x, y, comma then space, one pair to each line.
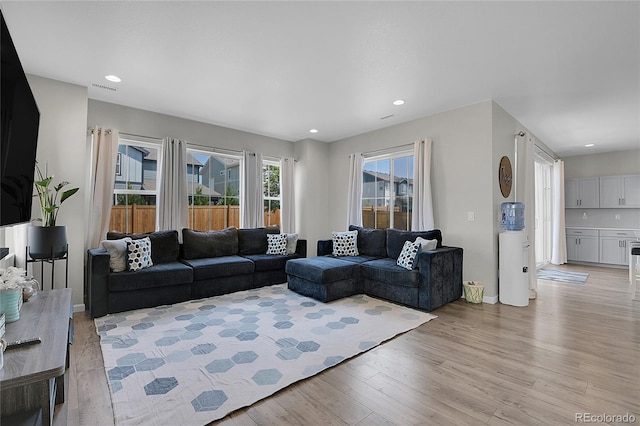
575, 349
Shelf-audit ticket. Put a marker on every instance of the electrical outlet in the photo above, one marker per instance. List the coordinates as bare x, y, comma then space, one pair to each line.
617, 216
471, 216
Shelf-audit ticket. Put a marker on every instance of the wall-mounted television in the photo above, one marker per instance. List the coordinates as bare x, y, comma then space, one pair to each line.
19, 134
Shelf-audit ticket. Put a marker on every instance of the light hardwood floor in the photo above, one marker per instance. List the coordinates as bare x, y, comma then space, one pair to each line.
575, 349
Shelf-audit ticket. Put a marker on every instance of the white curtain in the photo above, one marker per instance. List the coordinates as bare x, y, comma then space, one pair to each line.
527, 176
354, 188
171, 205
287, 195
252, 206
422, 213
104, 153
558, 237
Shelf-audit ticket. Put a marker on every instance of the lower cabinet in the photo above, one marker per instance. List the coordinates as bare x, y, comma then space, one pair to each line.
615, 246
582, 245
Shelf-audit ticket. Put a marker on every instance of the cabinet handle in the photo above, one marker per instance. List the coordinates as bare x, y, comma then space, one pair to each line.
624, 202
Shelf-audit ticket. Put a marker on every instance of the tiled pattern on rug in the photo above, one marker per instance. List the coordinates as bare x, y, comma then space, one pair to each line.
194, 362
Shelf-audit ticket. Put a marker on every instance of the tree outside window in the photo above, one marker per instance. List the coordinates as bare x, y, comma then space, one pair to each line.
271, 191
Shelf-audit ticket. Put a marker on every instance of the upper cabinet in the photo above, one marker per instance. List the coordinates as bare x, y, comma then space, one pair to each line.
581, 193
620, 191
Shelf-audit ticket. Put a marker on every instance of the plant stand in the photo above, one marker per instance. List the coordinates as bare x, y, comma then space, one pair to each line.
51, 260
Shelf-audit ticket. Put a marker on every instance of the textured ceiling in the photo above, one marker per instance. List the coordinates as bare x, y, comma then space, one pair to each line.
568, 71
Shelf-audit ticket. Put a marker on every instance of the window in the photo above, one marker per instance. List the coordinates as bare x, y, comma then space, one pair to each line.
134, 206
213, 185
387, 191
271, 186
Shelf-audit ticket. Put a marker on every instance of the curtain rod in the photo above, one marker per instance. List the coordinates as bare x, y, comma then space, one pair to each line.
385, 150
545, 152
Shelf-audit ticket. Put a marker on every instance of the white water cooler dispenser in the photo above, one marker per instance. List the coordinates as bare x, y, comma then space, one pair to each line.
513, 259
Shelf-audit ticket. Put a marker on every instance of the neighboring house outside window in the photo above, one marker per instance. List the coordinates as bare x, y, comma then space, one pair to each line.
271, 186
387, 191
214, 190
135, 191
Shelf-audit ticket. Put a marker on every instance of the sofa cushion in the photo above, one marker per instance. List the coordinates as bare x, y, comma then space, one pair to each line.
371, 242
277, 244
408, 255
222, 266
117, 250
139, 254
345, 243
254, 240
386, 270
358, 259
165, 246
200, 245
323, 269
396, 239
270, 262
165, 274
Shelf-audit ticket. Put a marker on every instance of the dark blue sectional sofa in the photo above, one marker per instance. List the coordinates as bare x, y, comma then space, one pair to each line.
205, 264
437, 280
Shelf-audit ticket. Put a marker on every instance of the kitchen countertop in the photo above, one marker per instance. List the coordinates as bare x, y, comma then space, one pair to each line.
602, 228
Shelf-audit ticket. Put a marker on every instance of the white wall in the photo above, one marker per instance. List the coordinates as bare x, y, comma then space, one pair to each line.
314, 200
152, 124
463, 180
61, 148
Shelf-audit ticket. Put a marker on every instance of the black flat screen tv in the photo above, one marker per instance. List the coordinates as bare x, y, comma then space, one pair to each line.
19, 134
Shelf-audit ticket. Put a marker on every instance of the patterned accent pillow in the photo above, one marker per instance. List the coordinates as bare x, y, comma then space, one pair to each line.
345, 243
139, 254
408, 255
276, 243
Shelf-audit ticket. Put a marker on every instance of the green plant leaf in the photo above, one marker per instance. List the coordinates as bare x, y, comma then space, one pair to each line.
44, 182
68, 193
59, 186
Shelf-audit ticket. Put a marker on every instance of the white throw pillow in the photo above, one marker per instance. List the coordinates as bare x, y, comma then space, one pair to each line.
345, 243
276, 243
427, 244
117, 250
408, 255
139, 254
292, 242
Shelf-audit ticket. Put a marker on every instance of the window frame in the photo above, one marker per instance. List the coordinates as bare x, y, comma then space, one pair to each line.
269, 162
142, 144
389, 190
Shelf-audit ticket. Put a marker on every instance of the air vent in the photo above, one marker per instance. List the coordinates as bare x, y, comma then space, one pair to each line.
386, 116
100, 86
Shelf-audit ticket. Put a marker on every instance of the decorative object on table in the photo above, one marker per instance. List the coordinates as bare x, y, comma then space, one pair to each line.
505, 176
49, 241
473, 291
194, 362
13, 281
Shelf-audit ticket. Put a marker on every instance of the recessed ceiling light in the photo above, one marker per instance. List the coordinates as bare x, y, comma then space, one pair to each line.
113, 78
398, 102
589, 145
313, 131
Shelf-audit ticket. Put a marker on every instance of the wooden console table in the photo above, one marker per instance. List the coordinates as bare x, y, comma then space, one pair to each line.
33, 376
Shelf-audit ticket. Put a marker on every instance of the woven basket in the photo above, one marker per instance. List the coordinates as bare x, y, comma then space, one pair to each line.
473, 291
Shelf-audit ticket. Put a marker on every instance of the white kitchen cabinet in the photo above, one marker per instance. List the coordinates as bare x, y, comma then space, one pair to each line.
614, 246
582, 245
582, 193
620, 191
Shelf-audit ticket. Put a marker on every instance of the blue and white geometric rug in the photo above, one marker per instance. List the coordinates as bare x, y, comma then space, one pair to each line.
195, 362
562, 276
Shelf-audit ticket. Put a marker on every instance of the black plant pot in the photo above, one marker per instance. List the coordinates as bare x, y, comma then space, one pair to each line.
47, 240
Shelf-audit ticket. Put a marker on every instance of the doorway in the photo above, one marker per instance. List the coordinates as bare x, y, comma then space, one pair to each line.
542, 210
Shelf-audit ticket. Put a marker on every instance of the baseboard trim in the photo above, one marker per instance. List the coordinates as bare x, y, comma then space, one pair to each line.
492, 300
78, 308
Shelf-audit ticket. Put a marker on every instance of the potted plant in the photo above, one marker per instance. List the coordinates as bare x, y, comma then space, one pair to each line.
49, 241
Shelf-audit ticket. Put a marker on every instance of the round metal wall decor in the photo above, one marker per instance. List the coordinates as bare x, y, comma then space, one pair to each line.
505, 176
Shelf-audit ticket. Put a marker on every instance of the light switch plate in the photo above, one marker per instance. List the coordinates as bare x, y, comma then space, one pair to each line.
471, 216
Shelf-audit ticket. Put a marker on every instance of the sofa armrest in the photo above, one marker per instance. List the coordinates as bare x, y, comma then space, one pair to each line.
97, 288
325, 247
301, 248
441, 281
